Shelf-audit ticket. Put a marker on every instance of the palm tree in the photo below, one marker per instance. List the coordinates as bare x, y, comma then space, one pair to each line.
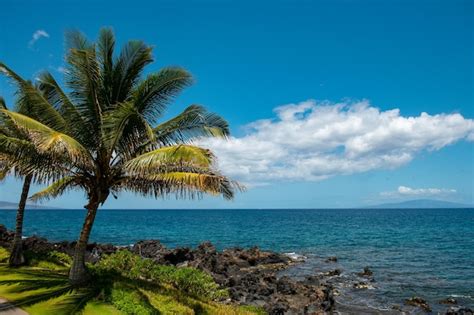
9, 137
16, 252
102, 134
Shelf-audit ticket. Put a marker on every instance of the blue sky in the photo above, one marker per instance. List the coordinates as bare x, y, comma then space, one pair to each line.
343, 66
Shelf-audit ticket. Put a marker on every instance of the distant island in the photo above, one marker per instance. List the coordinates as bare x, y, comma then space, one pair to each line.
5, 205
420, 204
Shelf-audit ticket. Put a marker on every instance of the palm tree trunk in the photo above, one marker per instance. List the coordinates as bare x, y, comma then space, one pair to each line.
78, 273
16, 257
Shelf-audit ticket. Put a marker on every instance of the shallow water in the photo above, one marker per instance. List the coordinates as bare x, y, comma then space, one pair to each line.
426, 252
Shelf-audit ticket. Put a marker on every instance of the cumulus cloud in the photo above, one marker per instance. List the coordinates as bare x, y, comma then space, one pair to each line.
37, 35
316, 140
404, 191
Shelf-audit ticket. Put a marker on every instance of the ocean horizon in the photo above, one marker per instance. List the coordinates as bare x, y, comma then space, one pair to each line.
422, 252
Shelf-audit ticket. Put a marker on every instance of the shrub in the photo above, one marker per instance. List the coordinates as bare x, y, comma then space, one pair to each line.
189, 280
130, 301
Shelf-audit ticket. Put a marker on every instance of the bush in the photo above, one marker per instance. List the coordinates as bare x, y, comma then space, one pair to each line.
189, 280
130, 301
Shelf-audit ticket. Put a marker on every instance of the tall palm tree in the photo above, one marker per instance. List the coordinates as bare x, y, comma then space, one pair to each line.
102, 134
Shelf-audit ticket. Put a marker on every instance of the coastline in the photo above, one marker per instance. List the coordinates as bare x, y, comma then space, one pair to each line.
252, 276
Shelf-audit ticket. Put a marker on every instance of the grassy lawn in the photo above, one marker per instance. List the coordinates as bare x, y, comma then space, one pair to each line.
43, 289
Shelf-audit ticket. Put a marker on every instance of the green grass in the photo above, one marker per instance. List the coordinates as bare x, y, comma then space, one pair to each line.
4, 254
118, 288
97, 307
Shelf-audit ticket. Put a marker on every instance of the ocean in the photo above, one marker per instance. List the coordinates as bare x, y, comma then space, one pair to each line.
425, 252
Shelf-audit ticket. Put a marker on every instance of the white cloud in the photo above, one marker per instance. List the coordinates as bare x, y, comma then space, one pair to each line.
37, 35
316, 140
404, 191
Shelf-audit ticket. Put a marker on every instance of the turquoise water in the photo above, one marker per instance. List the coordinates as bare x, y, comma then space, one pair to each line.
427, 252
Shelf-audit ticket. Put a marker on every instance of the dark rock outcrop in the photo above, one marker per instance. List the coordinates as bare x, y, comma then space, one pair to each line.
448, 301
419, 302
332, 273
459, 311
6, 237
150, 249
366, 273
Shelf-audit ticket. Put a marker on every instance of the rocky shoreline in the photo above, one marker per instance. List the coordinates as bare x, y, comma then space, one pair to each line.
250, 275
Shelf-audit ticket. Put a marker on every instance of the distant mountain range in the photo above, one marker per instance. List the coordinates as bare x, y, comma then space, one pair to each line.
14, 205
421, 204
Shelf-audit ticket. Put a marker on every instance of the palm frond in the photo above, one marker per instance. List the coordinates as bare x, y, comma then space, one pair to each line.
133, 58
32, 103
209, 183
77, 126
154, 93
21, 157
124, 127
76, 40
46, 139
56, 189
105, 46
192, 123
184, 184
163, 158
83, 78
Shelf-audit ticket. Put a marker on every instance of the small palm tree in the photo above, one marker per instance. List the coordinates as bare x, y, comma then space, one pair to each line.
16, 252
10, 136
102, 134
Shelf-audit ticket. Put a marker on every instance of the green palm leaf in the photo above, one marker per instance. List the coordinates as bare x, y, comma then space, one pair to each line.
83, 77
56, 189
106, 45
133, 58
58, 98
31, 102
155, 92
192, 123
162, 158
21, 157
122, 125
49, 140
